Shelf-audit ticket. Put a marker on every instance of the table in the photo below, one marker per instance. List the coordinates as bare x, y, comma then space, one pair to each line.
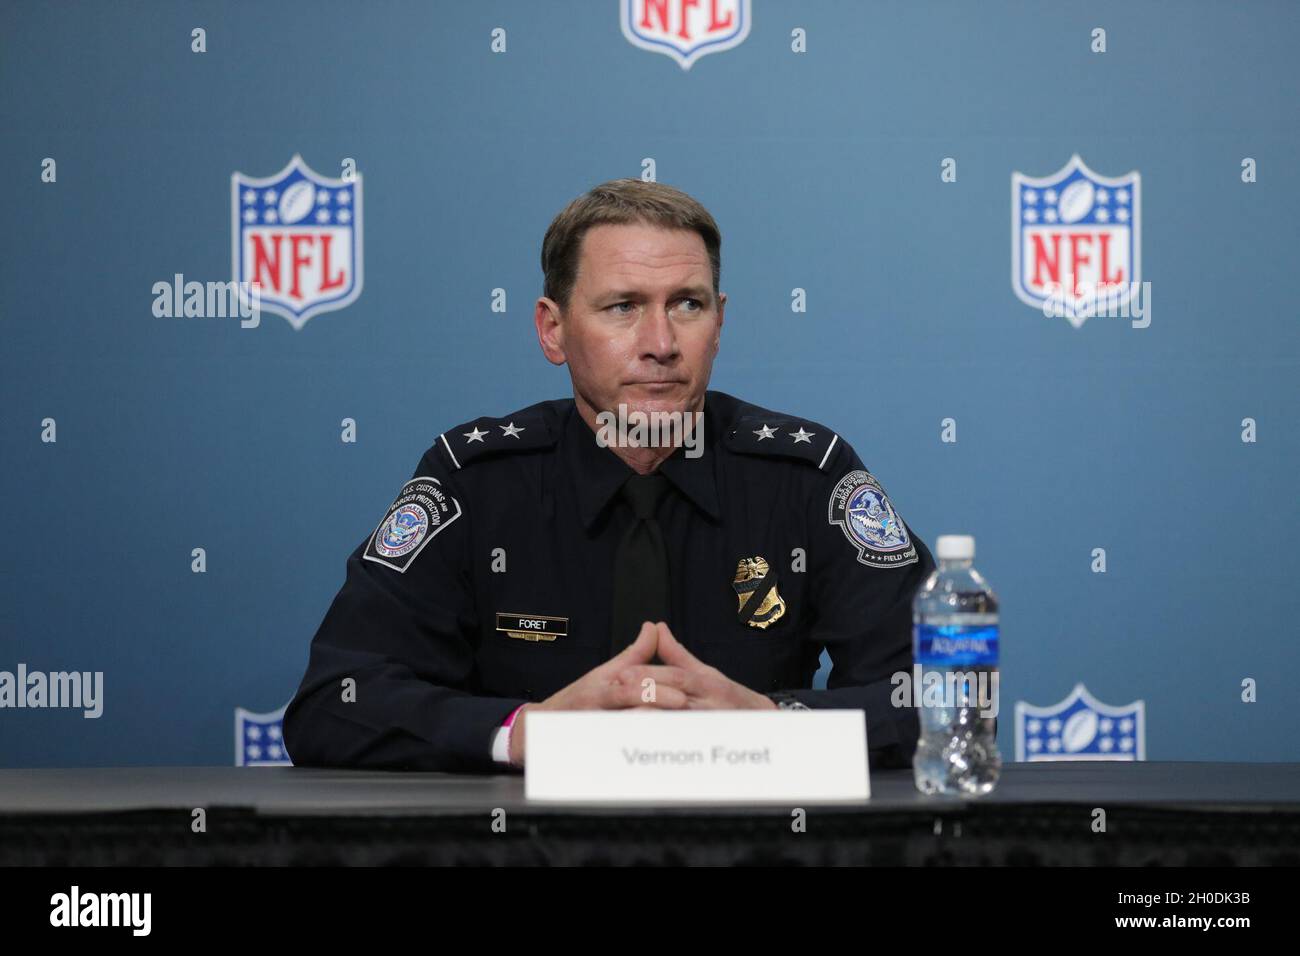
1182, 814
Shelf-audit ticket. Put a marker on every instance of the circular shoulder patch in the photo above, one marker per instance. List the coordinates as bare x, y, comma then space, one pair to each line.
402, 531
421, 510
864, 513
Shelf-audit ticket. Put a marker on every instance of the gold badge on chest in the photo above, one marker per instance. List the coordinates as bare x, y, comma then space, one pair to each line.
755, 583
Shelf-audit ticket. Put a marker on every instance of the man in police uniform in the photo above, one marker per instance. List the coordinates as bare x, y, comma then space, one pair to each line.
544, 560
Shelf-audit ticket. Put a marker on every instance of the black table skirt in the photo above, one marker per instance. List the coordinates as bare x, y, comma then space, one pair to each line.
1171, 814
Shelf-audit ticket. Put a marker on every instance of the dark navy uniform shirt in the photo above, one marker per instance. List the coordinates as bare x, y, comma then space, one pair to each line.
488, 584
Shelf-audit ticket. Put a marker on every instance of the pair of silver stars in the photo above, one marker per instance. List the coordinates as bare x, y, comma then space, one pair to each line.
511, 431
798, 436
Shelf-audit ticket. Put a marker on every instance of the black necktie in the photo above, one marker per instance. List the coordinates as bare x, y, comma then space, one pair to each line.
640, 564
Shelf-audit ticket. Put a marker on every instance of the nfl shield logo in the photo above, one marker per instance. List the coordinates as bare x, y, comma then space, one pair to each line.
1076, 240
1080, 728
259, 741
298, 235
685, 29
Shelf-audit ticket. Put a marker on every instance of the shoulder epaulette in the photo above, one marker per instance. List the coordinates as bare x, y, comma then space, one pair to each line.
525, 430
760, 432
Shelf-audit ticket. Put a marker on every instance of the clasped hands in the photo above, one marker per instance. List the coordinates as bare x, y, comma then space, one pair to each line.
630, 681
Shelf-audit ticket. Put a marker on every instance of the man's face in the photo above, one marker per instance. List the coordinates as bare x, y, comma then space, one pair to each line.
643, 324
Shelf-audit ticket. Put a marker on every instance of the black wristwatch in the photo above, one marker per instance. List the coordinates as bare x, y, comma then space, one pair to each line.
787, 701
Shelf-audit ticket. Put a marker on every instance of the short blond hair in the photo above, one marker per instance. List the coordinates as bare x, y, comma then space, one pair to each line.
620, 202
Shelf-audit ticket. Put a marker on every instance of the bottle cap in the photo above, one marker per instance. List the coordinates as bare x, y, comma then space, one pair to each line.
955, 547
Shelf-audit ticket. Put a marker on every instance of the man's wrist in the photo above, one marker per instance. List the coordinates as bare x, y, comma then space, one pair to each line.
515, 737
502, 735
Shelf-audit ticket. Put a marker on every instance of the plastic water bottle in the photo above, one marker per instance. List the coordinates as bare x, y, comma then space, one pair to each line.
955, 643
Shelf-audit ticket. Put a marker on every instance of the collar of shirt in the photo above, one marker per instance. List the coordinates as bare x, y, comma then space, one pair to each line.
598, 473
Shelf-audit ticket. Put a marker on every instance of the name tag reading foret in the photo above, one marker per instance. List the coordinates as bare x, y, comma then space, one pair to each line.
706, 756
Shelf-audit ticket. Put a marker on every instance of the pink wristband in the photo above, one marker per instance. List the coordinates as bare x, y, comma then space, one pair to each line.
514, 713
509, 725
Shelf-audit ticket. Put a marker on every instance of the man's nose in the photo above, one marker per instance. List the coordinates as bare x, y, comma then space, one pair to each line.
658, 338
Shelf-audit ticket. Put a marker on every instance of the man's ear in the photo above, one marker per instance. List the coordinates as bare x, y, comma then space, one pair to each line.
550, 330
722, 305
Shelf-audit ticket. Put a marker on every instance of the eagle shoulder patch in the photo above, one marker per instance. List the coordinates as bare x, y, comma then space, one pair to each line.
859, 506
421, 510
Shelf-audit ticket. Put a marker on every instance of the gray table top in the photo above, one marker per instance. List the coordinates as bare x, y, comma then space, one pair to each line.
1239, 787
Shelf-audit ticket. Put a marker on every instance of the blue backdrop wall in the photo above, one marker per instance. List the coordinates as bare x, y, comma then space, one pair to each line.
826, 171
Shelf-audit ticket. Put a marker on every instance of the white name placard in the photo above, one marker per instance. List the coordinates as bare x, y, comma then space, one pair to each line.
700, 756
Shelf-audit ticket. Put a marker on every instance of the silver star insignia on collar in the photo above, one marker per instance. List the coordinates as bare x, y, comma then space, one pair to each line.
802, 435
474, 435
511, 430
765, 432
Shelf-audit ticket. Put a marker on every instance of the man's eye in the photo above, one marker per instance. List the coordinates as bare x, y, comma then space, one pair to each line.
698, 304
616, 306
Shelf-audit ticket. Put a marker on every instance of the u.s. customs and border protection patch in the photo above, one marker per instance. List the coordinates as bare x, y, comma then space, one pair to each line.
755, 580
421, 510
863, 512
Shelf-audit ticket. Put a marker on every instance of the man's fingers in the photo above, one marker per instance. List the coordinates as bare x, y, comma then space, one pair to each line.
618, 696
639, 651
661, 675
671, 651
643, 648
